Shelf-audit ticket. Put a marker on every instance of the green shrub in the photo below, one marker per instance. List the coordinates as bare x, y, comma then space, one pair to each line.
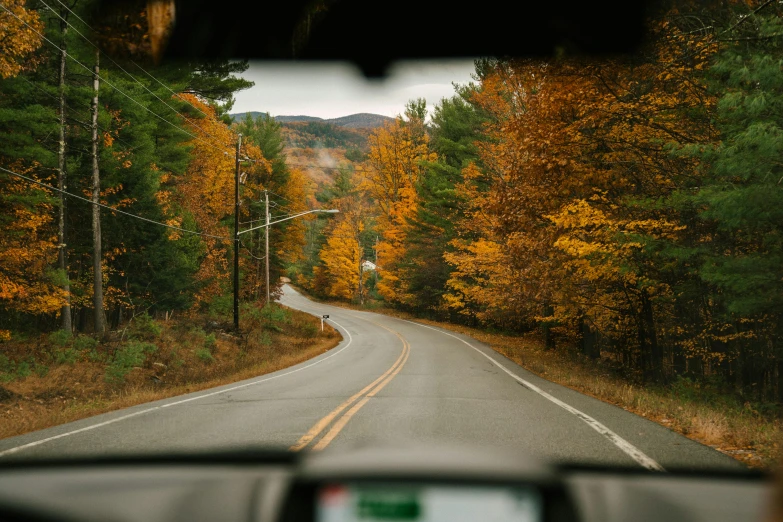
6, 364
276, 314
145, 327
198, 332
66, 355
60, 338
309, 330
23, 369
126, 358
84, 343
7, 369
97, 355
204, 354
270, 317
10, 370
41, 370
266, 339
221, 307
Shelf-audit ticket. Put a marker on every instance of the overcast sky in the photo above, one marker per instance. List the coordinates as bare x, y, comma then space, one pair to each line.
338, 89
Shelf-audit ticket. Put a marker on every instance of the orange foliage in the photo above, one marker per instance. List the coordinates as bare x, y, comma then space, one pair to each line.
571, 143
341, 256
206, 190
17, 40
28, 248
398, 151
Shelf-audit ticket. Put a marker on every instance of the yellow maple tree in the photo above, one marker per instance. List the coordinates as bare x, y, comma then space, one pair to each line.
28, 248
398, 153
20, 30
206, 190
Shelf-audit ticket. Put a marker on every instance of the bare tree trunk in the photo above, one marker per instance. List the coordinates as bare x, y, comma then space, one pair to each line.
65, 312
546, 327
655, 352
97, 299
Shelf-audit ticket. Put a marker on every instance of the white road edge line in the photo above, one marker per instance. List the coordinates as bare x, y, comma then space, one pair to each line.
628, 448
142, 412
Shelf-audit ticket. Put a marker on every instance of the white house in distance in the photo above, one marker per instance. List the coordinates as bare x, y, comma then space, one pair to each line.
368, 265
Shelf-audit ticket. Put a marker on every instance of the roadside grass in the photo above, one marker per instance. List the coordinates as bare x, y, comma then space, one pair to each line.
58, 378
747, 432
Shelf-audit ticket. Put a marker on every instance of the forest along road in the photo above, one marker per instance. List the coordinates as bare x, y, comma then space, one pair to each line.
388, 381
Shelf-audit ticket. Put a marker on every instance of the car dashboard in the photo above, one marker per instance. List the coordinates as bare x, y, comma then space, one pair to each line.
366, 484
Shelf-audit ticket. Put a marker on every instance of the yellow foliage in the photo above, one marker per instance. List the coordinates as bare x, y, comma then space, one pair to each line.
341, 257
206, 190
395, 163
17, 40
28, 248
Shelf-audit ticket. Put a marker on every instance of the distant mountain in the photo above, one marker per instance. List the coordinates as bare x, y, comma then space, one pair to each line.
362, 120
241, 115
297, 119
323, 134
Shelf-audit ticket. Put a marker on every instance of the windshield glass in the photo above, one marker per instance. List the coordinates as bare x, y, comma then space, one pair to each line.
577, 257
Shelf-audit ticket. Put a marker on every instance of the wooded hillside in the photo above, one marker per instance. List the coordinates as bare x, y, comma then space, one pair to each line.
626, 206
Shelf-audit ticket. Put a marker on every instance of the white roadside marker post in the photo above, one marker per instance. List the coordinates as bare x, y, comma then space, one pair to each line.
325, 316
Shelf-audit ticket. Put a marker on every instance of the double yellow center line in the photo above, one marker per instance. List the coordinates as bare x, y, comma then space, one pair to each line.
358, 400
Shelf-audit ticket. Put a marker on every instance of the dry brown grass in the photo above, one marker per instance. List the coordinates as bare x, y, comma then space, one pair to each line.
716, 420
69, 392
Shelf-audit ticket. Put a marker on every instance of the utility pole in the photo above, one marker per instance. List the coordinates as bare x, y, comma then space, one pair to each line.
62, 257
258, 262
97, 298
266, 226
266, 242
236, 236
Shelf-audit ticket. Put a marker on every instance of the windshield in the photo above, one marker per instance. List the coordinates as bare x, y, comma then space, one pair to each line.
578, 257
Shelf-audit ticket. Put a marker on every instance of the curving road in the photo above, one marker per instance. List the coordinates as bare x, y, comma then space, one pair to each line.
388, 380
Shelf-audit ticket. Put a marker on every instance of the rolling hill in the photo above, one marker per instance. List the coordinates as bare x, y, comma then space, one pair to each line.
320, 146
363, 120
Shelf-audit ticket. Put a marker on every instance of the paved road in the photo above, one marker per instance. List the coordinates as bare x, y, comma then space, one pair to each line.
388, 380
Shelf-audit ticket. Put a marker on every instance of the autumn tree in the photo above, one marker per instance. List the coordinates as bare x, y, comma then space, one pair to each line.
393, 171
288, 189
20, 37
733, 251
28, 243
456, 128
148, 132
340, 272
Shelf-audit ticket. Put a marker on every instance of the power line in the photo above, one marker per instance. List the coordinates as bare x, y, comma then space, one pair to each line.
262, 219
134, 63
249, 252
279, 196
71, 109
49, 187
122, 69
109, 83
169, 88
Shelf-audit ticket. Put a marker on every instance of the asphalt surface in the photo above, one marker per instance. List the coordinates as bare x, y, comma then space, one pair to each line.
388, 381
